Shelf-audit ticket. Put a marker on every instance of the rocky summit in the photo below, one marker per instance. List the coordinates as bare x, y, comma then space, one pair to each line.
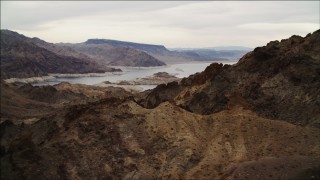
257, 119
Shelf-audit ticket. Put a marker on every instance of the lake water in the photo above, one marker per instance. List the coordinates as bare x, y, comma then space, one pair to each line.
129, 73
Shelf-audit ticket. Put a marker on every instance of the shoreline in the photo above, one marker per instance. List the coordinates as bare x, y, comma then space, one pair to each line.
137, 68
57, 75
85, 75
52, 76
29, 80
184, 62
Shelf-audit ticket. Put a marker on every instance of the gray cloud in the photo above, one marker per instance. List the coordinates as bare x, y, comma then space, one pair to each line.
34, 13
174, 24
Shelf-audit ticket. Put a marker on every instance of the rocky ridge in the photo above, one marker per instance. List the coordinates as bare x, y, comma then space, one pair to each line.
277, 81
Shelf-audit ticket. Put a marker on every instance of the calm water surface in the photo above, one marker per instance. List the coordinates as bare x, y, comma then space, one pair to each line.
179, 70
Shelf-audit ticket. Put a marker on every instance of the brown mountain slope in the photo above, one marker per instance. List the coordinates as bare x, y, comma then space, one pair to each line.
60, 50
277, 81
118, 139
124, 56
21, 58
23, 102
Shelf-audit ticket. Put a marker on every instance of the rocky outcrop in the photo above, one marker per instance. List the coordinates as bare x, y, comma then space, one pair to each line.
168, 92
277, 81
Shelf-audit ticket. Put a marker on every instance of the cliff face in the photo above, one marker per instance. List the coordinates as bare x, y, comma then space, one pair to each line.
277, 81
21, 58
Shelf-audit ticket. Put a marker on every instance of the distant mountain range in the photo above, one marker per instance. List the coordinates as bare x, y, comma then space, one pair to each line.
23, 57
230, 48
99, 48
223, 52
143, 47
114, 55
107, 51
218, 48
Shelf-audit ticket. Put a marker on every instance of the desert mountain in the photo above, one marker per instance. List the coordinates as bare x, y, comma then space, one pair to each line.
103, 55
115, 55
64, 51
278, 81
124, 56
22, 58
257, 119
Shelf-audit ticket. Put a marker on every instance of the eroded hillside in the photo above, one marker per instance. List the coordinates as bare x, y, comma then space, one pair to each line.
278, 81
117, 138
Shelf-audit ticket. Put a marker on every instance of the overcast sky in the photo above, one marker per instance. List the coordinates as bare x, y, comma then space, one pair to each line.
173, 24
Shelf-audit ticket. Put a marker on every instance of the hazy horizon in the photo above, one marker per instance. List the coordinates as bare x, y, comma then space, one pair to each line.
174, 24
